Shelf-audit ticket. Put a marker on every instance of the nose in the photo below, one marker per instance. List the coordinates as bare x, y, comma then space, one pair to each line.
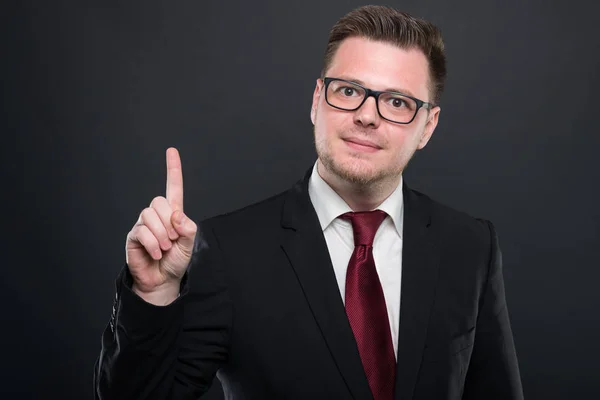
367, 115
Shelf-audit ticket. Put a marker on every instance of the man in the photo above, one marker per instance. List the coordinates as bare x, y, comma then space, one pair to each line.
349, 285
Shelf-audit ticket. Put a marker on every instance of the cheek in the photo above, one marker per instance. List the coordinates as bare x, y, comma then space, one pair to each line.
404, 142
328, 124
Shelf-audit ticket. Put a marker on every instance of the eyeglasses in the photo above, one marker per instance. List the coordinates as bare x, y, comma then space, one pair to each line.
392, 106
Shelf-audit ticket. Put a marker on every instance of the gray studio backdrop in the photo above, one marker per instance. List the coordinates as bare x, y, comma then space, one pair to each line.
94, 92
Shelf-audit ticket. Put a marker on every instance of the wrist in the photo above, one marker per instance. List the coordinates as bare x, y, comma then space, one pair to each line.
160, 296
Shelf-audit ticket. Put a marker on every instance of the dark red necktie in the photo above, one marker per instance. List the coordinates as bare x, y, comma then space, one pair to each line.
365, 306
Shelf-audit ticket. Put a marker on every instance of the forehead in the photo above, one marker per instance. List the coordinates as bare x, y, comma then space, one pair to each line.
382, 66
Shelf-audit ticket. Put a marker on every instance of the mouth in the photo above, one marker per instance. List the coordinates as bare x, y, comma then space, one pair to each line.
362, 145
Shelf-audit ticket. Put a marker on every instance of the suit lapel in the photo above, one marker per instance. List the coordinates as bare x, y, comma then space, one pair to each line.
419, 276
305, 246
306, 249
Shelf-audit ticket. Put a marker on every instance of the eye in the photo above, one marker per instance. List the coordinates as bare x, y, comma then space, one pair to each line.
347, 91
397, 102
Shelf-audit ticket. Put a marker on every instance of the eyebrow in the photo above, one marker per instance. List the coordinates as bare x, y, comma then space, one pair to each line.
401, 91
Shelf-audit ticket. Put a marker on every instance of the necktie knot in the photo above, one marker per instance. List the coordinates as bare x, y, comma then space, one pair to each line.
365, 225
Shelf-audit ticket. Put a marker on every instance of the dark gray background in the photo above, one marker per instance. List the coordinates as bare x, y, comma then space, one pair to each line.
94, 92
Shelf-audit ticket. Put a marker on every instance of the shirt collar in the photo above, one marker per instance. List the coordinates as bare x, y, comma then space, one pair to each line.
329, 205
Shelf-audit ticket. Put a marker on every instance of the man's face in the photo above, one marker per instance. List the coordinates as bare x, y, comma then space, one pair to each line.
389, 146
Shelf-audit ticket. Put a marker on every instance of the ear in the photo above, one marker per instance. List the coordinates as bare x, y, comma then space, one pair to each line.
432, 121
315, 101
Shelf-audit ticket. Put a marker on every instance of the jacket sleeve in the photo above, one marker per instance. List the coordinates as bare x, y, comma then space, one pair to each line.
173, 351
493, 371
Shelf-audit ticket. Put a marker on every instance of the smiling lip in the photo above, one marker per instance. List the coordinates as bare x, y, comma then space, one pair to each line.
362, 145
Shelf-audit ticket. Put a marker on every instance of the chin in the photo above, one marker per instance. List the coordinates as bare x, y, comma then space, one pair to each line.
355, 170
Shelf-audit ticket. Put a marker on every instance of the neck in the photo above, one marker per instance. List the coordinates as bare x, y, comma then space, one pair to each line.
359, 197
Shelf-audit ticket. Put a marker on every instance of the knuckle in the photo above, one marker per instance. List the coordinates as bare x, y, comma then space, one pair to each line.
140, 220
146, 214
142, 233
131, 234
156, 201
135, 232
162, 209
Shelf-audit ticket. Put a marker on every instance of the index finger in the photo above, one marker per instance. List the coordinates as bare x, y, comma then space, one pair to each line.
174, 179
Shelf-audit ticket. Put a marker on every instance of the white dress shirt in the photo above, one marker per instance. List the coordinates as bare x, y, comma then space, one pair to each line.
387, 245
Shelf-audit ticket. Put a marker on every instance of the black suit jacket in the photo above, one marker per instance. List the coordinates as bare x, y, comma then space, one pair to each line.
260, 306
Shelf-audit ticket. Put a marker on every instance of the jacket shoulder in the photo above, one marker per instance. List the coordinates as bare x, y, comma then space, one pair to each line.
455, 222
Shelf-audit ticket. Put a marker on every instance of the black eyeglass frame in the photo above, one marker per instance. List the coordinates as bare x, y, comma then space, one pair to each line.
376, 94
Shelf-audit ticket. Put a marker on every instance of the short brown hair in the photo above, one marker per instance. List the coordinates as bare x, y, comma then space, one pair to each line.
386, 24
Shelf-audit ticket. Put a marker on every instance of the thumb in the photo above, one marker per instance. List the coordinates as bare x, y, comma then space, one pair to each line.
185, 227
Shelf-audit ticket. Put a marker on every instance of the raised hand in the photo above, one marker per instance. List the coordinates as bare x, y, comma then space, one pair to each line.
159, 246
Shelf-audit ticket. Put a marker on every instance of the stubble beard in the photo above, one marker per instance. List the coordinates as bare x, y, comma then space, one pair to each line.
355, 171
